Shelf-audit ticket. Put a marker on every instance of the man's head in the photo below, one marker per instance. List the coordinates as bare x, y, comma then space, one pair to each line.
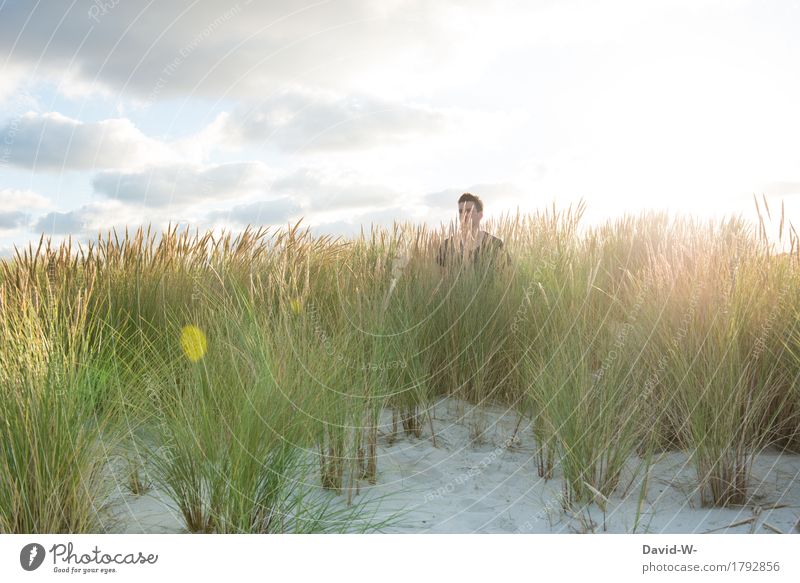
470, 211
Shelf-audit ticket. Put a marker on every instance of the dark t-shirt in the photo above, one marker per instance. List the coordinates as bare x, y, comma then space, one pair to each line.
491, 247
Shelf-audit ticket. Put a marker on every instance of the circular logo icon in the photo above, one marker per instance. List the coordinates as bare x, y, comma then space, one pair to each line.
31, 556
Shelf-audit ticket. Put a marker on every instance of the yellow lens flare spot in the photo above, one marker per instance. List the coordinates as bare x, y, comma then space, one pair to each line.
193, 342
296, 305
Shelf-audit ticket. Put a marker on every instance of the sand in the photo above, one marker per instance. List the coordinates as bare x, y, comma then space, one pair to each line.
491, 486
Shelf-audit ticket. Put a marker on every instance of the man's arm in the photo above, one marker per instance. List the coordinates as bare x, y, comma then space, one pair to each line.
501, 255
505, 260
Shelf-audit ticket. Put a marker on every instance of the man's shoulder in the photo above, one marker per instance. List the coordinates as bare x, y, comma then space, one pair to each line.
494, 241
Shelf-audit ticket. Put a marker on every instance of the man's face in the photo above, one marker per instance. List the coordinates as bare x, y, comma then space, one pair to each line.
468, 215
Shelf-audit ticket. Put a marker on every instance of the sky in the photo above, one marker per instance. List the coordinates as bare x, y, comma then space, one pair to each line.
342, 113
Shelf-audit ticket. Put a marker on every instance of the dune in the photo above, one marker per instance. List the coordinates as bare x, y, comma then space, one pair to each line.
490, 485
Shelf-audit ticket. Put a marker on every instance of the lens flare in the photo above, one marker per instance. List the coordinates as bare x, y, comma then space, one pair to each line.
193, 342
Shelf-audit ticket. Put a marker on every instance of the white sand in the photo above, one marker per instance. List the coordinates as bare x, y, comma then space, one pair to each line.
464, 487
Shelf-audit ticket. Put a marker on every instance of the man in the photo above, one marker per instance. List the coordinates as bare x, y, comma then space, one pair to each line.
471, 242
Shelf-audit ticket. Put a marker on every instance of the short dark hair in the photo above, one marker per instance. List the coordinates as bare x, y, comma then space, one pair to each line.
469, 197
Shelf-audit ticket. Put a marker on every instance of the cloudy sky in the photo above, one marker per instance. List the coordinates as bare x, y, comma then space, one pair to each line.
343, 112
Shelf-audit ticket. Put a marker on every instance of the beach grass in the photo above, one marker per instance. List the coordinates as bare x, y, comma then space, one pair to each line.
259, 365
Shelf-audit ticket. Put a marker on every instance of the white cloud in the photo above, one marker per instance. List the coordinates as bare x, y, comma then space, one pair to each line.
209, 49
199, 146
52, 141
352, 226
15, 207
90, 219
184, 185
13, 199
12, 220
324, 190
60, 223
306, 120
99, 218
11, 79
259, 212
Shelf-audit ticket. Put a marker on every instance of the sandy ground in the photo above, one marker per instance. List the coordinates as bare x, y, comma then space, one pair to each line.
463, 486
